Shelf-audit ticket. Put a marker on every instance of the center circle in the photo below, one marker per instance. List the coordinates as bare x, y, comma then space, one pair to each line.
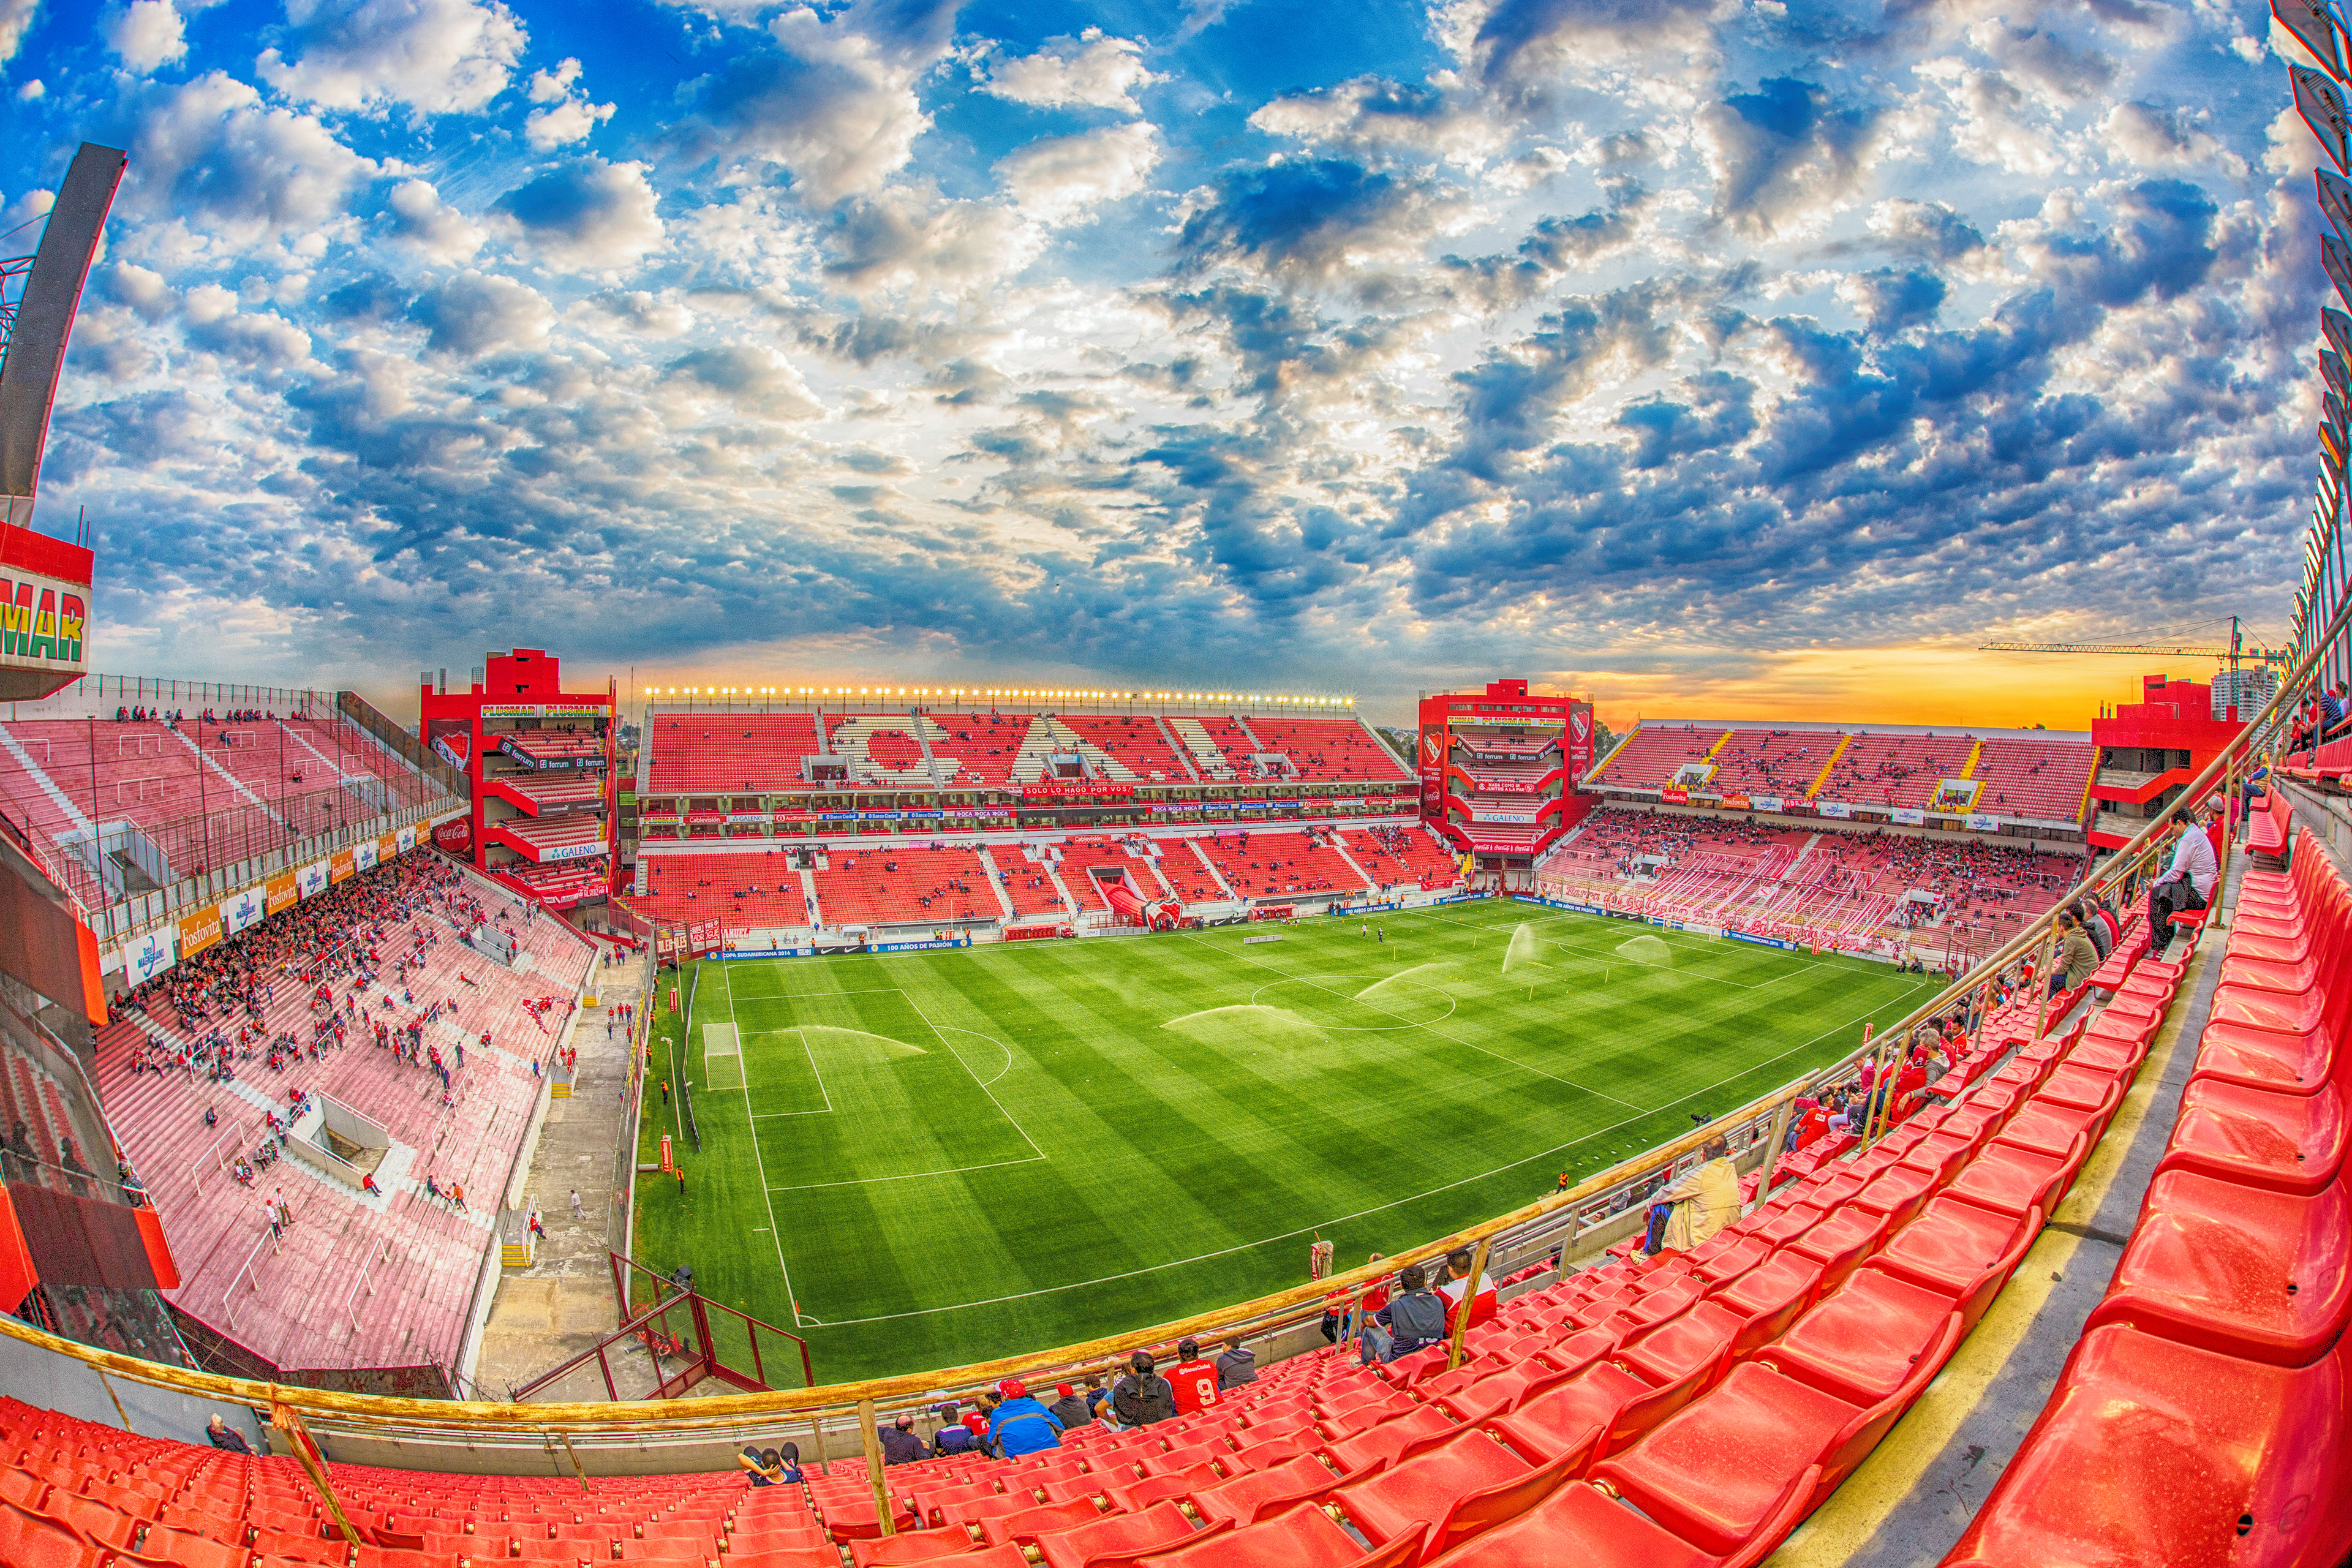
1331, 1002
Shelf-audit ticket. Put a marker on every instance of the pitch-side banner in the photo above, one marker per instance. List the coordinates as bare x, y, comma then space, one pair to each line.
144, 957
243, 910
312, 880
1910, 815
1833, 809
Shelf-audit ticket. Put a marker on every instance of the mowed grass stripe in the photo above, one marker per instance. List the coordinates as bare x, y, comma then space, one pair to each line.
1183, 1167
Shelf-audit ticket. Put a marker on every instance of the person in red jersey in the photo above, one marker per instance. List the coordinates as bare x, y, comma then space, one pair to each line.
1193, 1379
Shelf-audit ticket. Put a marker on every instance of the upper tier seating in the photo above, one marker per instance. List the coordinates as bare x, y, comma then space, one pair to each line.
2047, 779
1783, 763
880, 747
1258, 863
719, 752
984, 746
1334, 750
1649, 756
1894, 770
901, 884
1135, 741
756, 888
551, 834
575, 746
254, 997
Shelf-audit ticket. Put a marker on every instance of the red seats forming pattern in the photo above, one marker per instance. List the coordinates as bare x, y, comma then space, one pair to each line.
1259, 864
1030, 885
718, 752
689, 887
2203, 1415
1336, 751
1135, 739
901, 883
985, 745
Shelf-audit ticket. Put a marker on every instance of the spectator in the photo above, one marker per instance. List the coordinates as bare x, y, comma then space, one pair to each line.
1457, 1276
1703, 1202
1070, 1408
1020, 1424
2100, 941
1413, 1318
2185, 884
2077, 958
953, 1436
1193, 1380
1237, 1366
1098, 1400
899, 1444
222, 1436
1142, 1396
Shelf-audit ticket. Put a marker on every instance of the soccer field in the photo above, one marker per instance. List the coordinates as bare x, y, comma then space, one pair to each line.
921, 1159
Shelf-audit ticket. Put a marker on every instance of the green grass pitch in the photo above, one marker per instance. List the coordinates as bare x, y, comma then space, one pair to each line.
927, 1158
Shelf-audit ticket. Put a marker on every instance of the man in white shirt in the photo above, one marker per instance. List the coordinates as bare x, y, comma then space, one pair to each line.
1481, 1300
2186, 884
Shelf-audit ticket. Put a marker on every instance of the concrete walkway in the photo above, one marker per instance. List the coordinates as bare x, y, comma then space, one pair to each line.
560, 1304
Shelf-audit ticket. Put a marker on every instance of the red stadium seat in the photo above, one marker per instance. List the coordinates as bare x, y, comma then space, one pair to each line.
1718, 1471
1254, 1496
1864, 1339
1430, 1491
1961, 1250
29, 1539
1303, 1537
2263, 1276
1121, 1538
1390, 1440
908, 1546
2156, 1452
1580, 1526
1023, 1529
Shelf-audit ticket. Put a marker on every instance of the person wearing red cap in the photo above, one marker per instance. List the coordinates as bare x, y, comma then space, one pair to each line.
1019, 1424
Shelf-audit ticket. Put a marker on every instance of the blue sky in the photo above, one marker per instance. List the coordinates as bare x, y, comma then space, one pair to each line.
1707, 356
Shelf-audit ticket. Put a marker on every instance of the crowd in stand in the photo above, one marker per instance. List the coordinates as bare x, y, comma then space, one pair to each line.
345, 940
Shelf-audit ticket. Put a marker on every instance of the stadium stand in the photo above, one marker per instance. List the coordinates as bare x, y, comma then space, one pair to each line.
757, 888
978, 749
1081, 856
200, 790
1258, 863
1135, 742
1833, 887
880, 747
1648, 758
1783, 763
1028, 885
688, 753
2047, 779
1401, 857
1188, 876
1330, 751
290, 1010
903, 884
1894, 769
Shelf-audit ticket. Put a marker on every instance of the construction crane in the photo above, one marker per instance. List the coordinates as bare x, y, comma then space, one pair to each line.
2237, 652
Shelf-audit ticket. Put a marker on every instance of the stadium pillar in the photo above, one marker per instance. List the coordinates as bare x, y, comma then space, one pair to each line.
1469, 1300
871, 1441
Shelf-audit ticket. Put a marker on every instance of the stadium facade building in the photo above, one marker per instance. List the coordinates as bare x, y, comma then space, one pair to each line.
540, 763
2149, 750
1500, 770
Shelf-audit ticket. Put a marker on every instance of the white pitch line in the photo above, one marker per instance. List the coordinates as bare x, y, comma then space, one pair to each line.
1359, 1214
907, 1176
751, 1123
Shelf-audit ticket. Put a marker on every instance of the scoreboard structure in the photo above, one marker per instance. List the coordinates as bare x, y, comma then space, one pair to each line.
1499, 770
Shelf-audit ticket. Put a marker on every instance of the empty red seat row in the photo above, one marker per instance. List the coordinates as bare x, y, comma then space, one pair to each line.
2206, 1413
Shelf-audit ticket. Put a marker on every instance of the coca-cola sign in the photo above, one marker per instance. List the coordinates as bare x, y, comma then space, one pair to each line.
455, 836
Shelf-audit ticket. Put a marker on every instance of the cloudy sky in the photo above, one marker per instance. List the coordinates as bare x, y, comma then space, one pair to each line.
1711, 356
